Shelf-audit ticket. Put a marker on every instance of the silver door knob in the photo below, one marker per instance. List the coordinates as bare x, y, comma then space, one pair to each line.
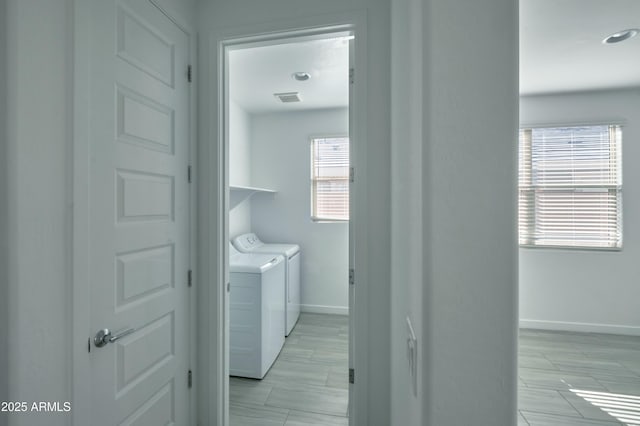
104, 336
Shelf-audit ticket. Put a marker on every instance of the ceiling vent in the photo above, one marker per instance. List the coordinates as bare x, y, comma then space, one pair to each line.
288, 97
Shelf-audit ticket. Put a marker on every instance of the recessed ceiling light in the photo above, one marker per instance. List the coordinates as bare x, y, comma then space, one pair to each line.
621, 36
301, 76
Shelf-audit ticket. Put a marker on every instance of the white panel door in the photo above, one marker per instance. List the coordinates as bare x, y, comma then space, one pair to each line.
139, 215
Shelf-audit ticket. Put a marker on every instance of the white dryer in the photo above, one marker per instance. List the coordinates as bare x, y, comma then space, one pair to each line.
256, 314
250, 243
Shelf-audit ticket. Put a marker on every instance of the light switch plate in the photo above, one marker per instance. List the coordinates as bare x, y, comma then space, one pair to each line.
412, 357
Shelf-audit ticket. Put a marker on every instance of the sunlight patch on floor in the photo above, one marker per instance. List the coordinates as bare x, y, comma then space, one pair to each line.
625, 408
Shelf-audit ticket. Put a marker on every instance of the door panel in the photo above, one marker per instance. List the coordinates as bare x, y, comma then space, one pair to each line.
143, 273
142, 45
139, 215
145, 123
156, 411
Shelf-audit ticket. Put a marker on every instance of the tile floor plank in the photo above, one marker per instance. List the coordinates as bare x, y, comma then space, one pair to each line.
542, 419
307, 382
245, 414
302, 418
308, 385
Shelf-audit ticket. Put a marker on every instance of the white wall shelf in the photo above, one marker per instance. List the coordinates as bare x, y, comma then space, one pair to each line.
238, 194
239, 188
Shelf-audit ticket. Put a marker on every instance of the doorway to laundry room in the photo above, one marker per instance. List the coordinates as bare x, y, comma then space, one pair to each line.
289, 172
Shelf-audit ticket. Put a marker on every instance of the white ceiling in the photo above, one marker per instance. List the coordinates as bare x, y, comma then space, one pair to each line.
561, 46
259, 72
561, 50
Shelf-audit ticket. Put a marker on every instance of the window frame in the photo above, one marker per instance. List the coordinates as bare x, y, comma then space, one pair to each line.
611, 123
312, 180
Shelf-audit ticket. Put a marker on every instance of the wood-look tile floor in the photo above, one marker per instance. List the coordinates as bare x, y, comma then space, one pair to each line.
576, 379
565, 379
307, 384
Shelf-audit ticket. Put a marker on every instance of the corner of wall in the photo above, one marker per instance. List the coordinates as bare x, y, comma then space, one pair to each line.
239, 166
34, 228
4, 279
470, 175
407, 259
181, 11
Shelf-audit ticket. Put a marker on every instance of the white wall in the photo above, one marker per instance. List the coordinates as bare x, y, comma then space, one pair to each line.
184, 12
458, 113
587, 290
221, 19
469, 235
4, 212
281, 161
239, 167
406, 207
469, 295
39, 136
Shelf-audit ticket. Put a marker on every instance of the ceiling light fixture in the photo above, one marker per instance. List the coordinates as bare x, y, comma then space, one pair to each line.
301, 76
621, 36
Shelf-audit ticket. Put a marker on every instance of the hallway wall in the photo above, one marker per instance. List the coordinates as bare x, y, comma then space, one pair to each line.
4, 213
455, 120
39, 169
407, 195
470, 242
463, 130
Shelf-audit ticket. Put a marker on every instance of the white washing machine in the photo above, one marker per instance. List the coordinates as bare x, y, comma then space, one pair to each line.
256, 314
250, 243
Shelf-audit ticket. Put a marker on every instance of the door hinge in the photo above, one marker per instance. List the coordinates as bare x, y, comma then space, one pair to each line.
352, 375
352, 276
351, 75
352, 174
89, 345
190, 379
189, 73
189, 173
189, 278
228, 287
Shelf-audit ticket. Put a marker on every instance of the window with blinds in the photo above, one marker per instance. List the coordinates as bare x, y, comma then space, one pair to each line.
570, 183
330, 179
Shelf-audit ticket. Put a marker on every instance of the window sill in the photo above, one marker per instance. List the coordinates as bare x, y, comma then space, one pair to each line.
320, 220
573, 248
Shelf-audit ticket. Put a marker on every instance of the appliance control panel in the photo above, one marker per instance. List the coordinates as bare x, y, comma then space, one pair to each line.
248, 241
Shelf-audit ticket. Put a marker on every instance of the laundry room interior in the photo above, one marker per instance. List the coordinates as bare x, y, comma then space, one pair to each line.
288, 173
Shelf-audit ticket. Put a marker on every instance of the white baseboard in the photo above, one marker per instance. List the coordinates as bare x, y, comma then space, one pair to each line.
321, 309
580, 327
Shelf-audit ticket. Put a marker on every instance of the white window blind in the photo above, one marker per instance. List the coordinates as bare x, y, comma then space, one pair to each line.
330, 179
570, 187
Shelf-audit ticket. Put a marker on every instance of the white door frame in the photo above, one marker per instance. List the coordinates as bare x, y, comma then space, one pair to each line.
80, 296
214, 183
